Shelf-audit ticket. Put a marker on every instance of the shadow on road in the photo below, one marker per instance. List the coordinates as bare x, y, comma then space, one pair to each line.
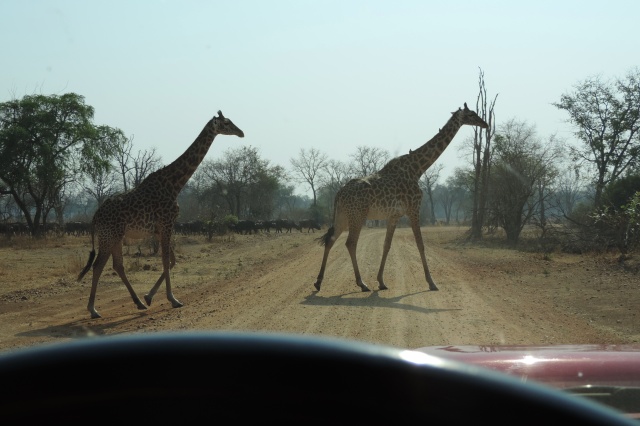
373, 300
81, 328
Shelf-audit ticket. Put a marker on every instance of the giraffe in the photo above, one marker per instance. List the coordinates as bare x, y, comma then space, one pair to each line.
389, 194
150, 208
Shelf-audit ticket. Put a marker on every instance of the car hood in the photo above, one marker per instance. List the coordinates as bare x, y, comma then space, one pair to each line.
609, 374
560, 366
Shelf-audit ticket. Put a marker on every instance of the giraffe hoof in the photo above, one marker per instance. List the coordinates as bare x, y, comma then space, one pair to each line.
148, 299
433, 288
176, 304
95, 315
364, 287
317, 285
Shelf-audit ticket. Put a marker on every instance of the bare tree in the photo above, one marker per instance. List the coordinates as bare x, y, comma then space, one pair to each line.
482, 151
569, 186
133, 169
101, 185
307, 168
367, 160
334, 175
427, 183
607, 119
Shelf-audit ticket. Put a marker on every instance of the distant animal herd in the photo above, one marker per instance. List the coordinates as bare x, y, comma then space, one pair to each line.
191, 228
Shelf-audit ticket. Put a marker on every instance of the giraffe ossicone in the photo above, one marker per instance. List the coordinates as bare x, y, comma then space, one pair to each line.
149, 209
389, 194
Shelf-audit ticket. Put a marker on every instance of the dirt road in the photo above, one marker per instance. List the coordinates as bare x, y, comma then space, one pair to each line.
265, 283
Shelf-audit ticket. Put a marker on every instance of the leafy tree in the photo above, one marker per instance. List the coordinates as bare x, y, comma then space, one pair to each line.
523, 167
246, 182
47, 142
620, 192
286, 201
451, 197
618, 227
463, 184
606, 115
263, 193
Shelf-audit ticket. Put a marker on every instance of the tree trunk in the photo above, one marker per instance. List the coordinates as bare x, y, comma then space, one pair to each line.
482, 160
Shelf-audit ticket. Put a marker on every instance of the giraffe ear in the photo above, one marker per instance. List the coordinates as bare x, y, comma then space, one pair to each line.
465, 106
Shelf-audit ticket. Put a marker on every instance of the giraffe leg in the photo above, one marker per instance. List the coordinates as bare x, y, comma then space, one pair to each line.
98, 266
168, 260
149, 296
327, 248
118, 266
391, 227
415, 226
352, 244
328, 239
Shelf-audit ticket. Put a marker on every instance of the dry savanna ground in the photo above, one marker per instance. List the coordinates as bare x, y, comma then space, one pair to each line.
488, 294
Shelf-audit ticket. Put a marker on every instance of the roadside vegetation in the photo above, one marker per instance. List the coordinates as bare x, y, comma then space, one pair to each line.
57, 165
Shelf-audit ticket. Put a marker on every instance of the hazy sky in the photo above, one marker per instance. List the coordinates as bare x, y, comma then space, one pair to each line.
296, 74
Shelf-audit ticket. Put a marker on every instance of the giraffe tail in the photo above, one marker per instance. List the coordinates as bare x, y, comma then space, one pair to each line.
92, 256
324, 239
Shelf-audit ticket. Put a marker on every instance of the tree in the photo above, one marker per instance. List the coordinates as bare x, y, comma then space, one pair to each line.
568, 191
606, 115
286, 201
463, 184
620, 192
245, 181
367, 160
451, 196
334, 175
482, 152
101, 185
47, 142
428, 182
134, 169
307, 167
523, 167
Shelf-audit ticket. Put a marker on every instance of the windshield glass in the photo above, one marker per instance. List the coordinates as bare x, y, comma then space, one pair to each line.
424, 176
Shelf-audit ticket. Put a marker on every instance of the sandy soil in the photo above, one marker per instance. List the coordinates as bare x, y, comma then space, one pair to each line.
265, 283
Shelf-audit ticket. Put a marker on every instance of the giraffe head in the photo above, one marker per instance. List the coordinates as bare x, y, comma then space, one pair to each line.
466, 116
224, 126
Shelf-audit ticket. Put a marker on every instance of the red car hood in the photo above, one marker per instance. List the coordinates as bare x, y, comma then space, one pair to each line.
609, 374
559, 366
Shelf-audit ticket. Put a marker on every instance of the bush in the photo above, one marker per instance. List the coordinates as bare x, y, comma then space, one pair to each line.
620, 227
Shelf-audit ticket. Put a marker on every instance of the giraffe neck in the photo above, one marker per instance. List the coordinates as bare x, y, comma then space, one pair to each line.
427, 154
179, 171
